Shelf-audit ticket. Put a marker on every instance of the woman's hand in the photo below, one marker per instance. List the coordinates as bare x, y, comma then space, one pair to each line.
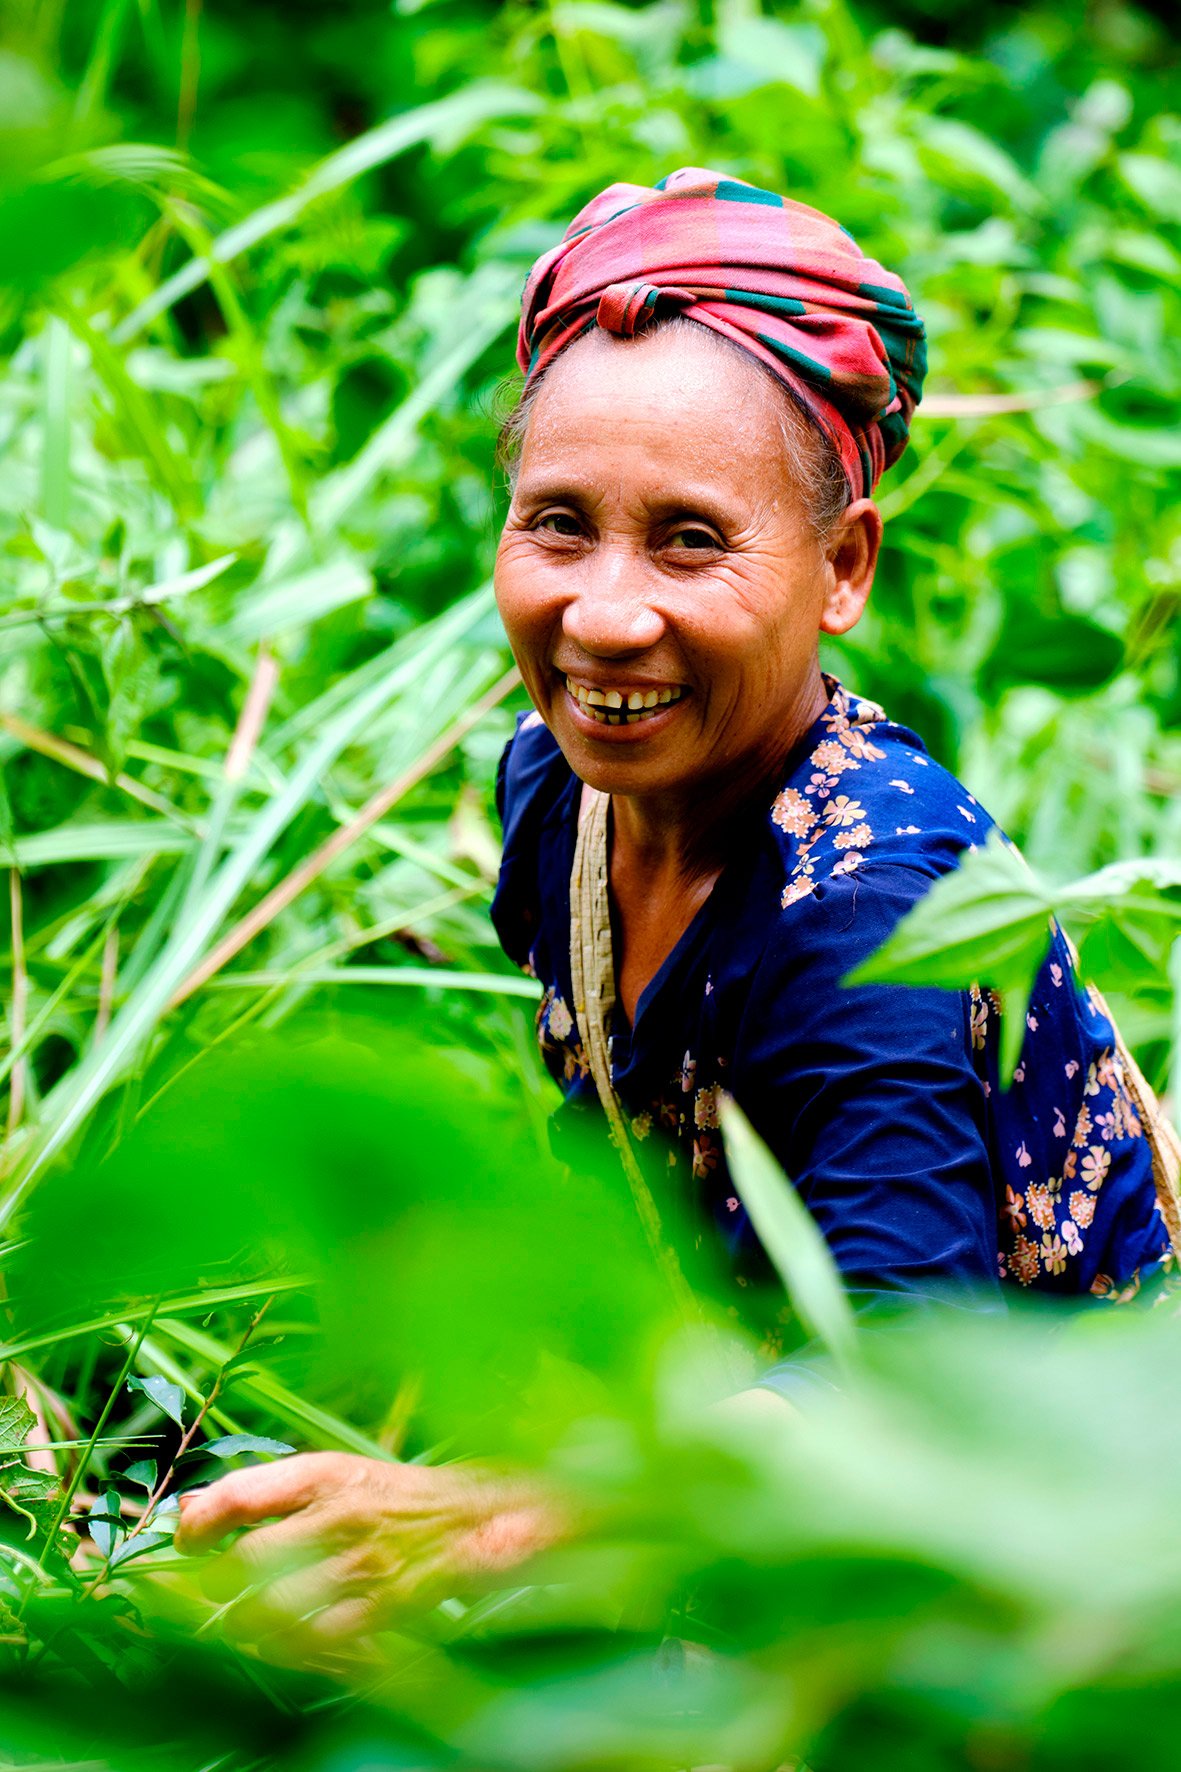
337, 1545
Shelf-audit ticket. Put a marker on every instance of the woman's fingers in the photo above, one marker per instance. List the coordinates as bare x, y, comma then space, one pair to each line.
264, 1555
351, 1617
245, 1498
336, 1544
258, 1609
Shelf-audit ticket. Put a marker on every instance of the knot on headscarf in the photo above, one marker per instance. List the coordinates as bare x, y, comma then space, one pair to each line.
626, 308
776, 277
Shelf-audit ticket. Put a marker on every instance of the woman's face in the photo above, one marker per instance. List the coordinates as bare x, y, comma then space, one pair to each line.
657, 576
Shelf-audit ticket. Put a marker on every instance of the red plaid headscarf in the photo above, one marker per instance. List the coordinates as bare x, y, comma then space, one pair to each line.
785, 282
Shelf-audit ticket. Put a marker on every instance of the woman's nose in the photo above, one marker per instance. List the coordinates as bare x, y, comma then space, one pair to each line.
609, 614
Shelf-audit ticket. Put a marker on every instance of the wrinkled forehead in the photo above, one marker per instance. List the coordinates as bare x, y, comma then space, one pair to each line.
674, 391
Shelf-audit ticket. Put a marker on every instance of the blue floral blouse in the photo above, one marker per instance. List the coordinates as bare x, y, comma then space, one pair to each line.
882, 1102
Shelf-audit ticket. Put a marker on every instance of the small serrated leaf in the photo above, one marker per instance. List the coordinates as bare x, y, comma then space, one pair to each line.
142, 1473
16, 1423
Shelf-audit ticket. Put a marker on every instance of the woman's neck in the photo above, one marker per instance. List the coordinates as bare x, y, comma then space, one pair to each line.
688, 834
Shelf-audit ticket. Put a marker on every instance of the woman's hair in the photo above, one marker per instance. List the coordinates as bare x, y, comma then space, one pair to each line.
814, 466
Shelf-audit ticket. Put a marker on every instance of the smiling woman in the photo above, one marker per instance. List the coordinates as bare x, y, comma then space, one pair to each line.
658, 549
704, 835
716, 377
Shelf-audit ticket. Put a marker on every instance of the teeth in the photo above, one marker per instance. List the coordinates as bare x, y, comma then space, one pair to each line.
612, 707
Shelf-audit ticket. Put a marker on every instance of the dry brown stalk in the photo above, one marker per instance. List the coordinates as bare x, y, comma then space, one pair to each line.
289, 889
254, 712
985, 405
106, 988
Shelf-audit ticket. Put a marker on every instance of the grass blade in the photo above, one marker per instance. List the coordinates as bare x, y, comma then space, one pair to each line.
78, 1092
504, 984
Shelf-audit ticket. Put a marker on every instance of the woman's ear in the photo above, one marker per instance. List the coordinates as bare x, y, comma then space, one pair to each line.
852, 557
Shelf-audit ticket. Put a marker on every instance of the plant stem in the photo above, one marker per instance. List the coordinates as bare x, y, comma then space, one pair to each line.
190, 1433
100, 1424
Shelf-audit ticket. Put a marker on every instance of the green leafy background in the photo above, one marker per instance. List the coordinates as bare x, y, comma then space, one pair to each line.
258, 275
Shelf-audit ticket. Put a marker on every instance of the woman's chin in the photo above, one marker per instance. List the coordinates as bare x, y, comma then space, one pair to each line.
627, 769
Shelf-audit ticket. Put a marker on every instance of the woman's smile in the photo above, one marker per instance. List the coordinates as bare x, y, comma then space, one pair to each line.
626, 706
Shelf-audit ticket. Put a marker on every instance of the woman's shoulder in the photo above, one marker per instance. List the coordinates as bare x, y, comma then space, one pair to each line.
862, 794
533, 795
531, 775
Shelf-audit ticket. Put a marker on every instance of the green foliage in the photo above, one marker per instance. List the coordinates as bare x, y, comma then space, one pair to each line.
258, 272
989, 923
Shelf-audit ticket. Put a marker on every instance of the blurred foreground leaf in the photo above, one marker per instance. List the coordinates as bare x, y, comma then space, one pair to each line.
790, 1235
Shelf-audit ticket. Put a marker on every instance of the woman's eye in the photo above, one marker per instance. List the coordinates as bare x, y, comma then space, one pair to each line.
697, 539
560, 523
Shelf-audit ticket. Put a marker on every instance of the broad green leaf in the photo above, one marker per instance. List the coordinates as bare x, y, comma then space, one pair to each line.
139, 1546
987, 923
142, 1473
1156, 182
168, 1398
105, 1522
231, 1445
790, 1235
959, 155
1147, 879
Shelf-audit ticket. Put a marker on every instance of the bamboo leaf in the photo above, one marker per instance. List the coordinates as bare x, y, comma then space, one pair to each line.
503, 984
233, 1445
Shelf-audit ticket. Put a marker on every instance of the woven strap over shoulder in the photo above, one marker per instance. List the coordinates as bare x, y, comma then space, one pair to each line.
592, 974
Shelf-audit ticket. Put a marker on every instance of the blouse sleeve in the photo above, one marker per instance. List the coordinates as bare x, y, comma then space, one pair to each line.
529, 779
868, 1097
